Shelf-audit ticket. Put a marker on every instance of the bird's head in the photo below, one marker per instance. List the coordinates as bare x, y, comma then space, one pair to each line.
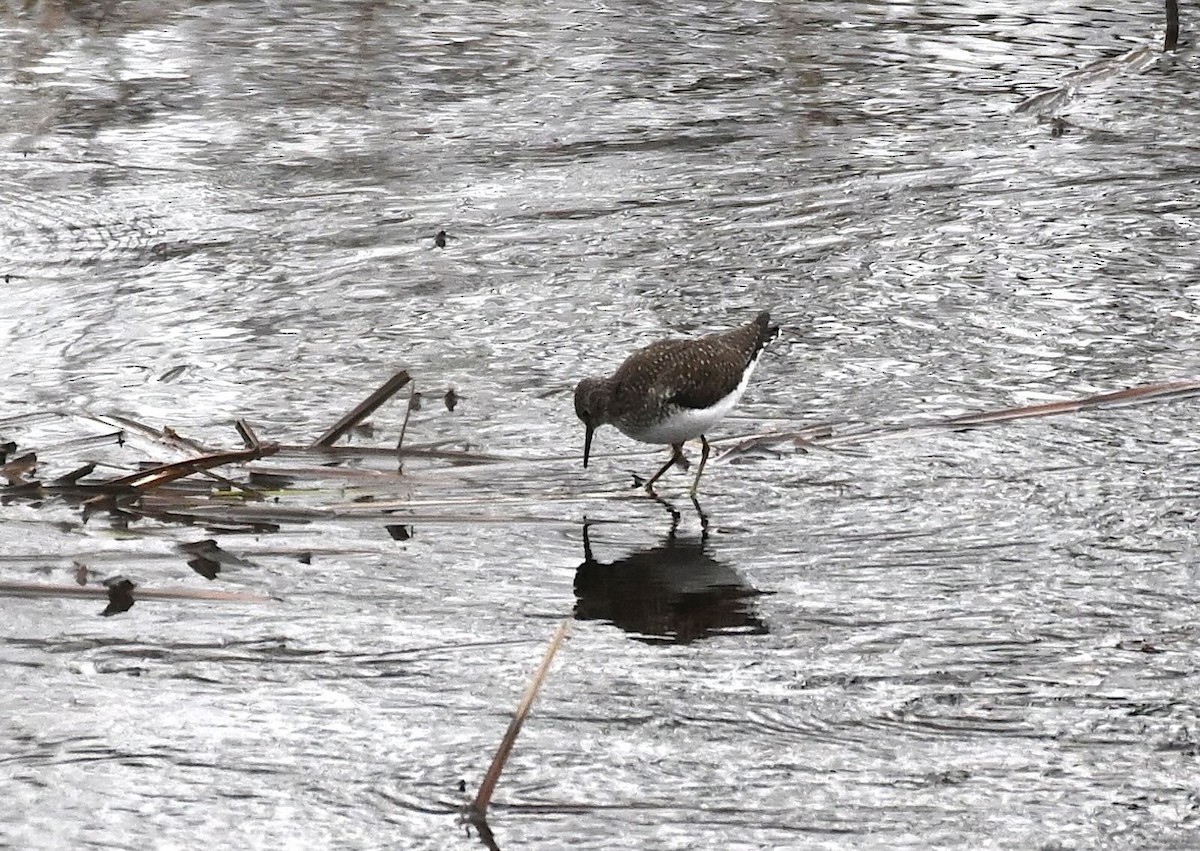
592, 397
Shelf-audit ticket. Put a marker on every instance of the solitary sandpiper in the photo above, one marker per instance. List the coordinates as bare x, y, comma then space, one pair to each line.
674, 390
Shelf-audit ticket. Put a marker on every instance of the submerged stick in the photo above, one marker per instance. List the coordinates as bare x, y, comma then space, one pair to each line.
363, 409
478, 808
1162, 391
414, 404
42, 589
1112, 398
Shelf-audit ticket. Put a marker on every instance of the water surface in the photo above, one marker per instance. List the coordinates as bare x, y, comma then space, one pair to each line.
950, 639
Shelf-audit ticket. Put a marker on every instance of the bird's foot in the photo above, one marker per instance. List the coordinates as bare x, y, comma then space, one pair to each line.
703, 518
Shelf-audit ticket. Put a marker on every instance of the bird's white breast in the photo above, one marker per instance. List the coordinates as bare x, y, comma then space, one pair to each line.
685, 423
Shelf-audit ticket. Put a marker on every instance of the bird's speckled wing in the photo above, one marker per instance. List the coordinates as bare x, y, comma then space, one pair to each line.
693, 373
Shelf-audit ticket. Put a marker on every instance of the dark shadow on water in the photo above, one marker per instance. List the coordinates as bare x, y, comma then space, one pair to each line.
672, 593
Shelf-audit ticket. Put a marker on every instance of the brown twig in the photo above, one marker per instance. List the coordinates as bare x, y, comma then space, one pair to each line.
363, 409
246, 432
414, 404
163, 434
1114, 398
157, 476
1159, 392
478, 808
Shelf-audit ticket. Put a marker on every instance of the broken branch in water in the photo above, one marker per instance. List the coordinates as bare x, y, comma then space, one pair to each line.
363, 409
478, 808
157, 476
246, 432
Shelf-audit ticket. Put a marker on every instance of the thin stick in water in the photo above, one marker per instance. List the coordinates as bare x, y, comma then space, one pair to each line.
161, 475
363, 409
479, 806
414, 404
246, 431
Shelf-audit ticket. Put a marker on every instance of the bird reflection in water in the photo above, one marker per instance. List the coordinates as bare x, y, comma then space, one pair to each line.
673, 593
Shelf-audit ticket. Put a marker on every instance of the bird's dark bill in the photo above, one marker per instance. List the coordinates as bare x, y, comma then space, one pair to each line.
587, 444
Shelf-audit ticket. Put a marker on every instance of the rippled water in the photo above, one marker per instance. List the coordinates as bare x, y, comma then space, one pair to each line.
951, 639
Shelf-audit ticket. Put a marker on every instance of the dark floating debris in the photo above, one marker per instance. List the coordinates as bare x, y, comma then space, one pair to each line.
207, 558
173, 373
120, 595
179, 440
399, 531
74, 476
270, 481
206, 567
330, 482
17, 470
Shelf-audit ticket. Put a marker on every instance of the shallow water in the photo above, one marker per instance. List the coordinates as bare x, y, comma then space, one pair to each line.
950, 639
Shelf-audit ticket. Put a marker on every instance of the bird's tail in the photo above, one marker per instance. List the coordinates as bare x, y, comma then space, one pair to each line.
766, 331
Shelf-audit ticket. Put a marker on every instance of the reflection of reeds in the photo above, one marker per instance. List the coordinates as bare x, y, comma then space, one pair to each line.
60, 590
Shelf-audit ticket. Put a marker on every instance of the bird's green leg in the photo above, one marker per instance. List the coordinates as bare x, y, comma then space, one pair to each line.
676, 456
700, 469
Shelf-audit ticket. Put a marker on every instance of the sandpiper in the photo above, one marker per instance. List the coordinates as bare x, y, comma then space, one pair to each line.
674, 390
